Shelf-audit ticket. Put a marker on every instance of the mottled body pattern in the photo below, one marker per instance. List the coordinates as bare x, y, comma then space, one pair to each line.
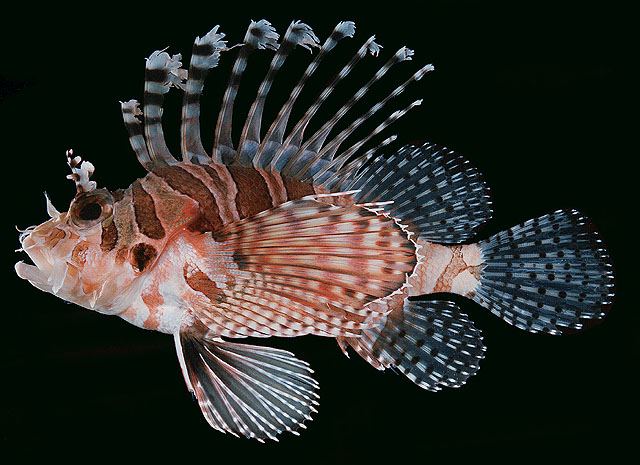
286, 234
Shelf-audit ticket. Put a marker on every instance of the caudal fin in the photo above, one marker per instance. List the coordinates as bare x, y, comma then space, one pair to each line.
546, 274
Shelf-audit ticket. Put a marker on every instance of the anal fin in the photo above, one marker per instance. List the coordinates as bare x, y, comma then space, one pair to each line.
432, 343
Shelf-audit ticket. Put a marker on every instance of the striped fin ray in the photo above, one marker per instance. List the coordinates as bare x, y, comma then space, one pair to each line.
275, 135
432, 343
308, 266
392, 118
297, 34
330, 149
162, 71
434, 190
245, 390
205, 56
340, 165
294, 140
260, 35
315, 145
130, 114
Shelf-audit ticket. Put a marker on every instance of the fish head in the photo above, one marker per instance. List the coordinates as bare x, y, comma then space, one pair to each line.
68, 253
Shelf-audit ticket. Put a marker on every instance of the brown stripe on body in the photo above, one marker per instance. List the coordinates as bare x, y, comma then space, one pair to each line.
187, 184
145, 213
124, 219
210, 177
109, 236
253, 192
275, 185
297, 189
153, 299
231, 188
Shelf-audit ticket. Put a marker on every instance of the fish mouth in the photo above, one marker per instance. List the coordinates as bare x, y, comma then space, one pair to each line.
34, 275
37, 266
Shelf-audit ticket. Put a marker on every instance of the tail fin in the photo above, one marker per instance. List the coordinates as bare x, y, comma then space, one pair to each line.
432, 343
546, 274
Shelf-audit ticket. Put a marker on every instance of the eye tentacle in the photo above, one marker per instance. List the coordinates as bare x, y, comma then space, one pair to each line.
81, 171
51, 210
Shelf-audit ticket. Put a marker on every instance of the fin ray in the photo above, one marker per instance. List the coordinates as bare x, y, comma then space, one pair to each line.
432, 343
433, 189
546, 274
247, 390
308, 267
260, 35
205, 56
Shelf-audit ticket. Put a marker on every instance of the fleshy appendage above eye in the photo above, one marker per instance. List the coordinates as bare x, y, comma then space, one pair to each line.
91, 208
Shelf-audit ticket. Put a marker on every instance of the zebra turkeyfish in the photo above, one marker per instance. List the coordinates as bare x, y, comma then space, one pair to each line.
285, 233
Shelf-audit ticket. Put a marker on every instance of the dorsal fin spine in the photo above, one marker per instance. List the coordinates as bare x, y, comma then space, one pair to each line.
130, 114
260, 35
205, 56
275, 135
162, 72
297, 34
315, 143
297, 134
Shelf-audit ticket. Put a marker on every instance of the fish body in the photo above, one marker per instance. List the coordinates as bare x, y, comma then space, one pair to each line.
282, 233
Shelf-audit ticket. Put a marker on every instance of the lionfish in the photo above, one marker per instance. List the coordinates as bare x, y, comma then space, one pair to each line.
284, 234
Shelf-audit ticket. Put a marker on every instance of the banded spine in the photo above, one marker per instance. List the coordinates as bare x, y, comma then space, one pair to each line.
275, 135
205, 56
131, 113
260, 35
295, 138
162, 72
297, 34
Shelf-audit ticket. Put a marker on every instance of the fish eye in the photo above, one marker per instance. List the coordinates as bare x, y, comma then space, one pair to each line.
90, 211
91, 208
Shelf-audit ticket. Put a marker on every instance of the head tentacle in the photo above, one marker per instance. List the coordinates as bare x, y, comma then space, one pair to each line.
81, 171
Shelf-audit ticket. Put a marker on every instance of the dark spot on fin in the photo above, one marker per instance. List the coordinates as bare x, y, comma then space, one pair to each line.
240, 259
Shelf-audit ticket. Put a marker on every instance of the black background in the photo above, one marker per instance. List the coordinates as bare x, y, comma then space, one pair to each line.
536, 96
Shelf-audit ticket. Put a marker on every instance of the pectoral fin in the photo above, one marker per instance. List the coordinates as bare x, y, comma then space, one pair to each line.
303, 267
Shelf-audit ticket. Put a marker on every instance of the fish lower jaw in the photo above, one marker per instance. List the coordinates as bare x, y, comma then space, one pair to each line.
52, 281
34, 275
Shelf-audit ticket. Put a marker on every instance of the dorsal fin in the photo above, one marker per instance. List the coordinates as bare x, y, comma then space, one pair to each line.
275, 135
297, 34
260, 35
162, 72
296, 136
205, 56
329, 149
316, 158
316, 142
